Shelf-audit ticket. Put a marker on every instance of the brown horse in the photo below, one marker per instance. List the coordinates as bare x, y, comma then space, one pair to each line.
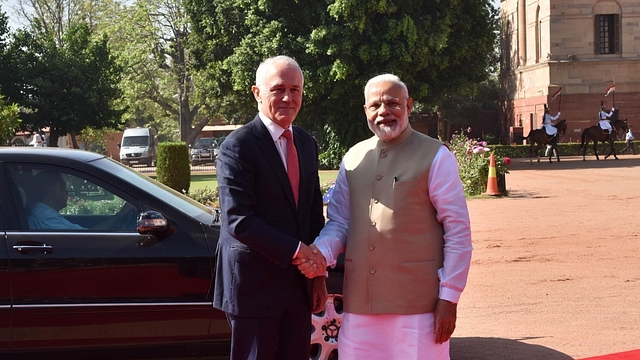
595, 133
538, 138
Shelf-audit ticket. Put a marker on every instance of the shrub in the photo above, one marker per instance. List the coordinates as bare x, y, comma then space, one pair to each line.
473, 162
206, 196
173, 166
332, 151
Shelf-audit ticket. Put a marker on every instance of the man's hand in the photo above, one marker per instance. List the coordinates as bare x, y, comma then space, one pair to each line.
320, 294
310, 261
444, 320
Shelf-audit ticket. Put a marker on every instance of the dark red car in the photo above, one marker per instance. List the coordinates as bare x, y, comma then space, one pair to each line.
118, 287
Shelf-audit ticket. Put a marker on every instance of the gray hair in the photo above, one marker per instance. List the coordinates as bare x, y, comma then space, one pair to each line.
268, 63
384, 78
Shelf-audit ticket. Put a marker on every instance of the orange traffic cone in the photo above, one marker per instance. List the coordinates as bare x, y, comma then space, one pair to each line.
492, 181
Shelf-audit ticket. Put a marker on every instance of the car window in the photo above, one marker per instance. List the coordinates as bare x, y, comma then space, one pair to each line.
135, 141
58, 199
181, 202
204, 143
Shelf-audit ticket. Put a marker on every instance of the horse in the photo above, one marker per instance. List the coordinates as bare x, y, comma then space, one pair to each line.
539, 138
595, 133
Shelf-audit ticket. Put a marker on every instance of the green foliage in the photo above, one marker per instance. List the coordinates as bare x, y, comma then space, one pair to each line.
436, 47
66, 86
152, 39
206, 196
473, 162
173, 166
331, 151
9, 120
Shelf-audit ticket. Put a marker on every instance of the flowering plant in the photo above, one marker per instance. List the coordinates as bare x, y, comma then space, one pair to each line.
473, 162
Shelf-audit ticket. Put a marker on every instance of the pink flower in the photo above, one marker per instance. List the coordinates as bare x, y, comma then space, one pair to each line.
507, 160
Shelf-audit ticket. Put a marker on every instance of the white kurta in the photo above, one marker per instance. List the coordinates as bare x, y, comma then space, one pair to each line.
548, 126
404, 337
604, 122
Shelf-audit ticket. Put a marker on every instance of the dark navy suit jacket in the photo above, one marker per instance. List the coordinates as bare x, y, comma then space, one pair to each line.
261, 226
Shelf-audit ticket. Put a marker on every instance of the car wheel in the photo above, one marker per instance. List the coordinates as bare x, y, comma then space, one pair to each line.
326, 327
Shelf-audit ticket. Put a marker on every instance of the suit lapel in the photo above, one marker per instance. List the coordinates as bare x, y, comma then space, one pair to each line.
268, 147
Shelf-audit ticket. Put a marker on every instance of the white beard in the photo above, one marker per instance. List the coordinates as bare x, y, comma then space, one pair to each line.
384, 131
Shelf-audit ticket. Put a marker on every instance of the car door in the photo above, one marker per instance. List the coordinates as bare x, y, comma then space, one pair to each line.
5, 284
102, 286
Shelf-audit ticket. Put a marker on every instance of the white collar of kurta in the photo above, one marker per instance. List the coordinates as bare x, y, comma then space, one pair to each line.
275, 130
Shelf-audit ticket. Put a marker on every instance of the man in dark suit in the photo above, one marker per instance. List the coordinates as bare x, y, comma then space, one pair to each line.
268, 220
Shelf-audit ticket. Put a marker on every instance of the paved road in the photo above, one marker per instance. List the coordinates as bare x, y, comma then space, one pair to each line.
555, 271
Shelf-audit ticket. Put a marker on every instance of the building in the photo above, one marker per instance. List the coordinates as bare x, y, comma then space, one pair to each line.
581, 46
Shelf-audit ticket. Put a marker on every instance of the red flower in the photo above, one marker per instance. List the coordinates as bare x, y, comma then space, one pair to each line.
507, 160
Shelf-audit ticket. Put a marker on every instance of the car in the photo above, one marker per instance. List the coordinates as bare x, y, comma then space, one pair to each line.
203, 151
139, 146
137, 280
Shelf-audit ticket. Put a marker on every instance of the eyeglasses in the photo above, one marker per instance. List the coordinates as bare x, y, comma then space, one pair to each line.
394, 104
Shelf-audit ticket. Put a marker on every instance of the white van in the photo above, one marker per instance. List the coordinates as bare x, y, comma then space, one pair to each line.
139, 146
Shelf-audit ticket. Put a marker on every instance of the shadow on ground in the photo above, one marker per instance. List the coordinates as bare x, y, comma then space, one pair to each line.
575, 162
476, 348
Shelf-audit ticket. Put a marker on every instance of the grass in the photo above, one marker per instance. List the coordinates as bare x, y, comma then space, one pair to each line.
211, 180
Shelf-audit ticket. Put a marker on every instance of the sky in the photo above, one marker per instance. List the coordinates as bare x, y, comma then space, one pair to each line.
7, 6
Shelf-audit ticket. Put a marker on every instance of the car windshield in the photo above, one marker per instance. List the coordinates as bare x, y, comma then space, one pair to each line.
135, 141
204, 143
183, 203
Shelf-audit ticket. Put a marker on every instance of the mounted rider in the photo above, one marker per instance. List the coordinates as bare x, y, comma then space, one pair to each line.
604, 119
548, 125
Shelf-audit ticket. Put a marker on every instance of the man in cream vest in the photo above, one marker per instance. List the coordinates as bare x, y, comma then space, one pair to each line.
398, 210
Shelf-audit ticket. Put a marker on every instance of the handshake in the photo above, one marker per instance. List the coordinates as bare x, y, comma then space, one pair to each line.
310, 261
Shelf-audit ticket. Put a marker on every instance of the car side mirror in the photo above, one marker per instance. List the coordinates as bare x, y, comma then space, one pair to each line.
155, 224
118, 145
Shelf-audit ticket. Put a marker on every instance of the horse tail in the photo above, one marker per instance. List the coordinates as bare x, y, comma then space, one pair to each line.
583, 138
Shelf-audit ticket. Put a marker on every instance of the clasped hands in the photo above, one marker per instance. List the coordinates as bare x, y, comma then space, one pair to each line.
310, 261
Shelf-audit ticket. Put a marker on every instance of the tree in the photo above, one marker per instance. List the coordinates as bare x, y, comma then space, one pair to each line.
229, 39
9, 120
9, 111
463, 110
436, 47
152, 41
65, 87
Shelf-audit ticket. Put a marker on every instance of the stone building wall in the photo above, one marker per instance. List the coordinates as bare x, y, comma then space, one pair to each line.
560, 43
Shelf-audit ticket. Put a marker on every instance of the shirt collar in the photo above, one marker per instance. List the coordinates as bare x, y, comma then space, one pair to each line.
274, 129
